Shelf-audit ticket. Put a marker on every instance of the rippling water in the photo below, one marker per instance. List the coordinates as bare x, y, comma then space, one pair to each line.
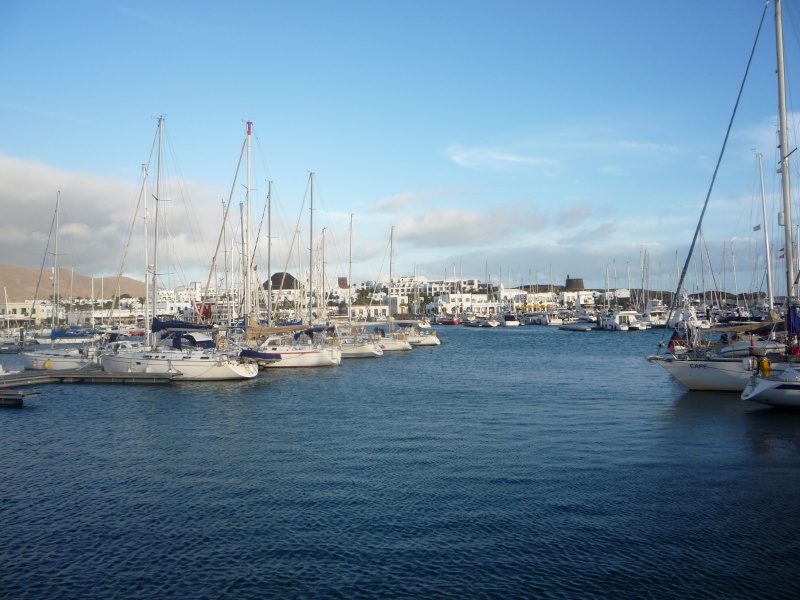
520, 462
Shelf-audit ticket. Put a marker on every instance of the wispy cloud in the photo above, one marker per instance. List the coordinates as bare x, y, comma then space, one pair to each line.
451, 227
496, 159
601, 233
408, 200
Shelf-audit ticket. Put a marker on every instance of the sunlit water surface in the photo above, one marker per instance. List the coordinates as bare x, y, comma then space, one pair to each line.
506, 463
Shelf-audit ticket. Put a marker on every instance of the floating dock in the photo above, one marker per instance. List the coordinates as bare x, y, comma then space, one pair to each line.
9, 397
15, 397
12, 380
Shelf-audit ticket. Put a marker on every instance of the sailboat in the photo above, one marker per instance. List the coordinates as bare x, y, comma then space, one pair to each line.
192, 354
308, 347
766, 386
697, 365
55, 358
354, 341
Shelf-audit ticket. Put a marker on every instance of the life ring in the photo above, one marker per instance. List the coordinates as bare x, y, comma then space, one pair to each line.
223, 344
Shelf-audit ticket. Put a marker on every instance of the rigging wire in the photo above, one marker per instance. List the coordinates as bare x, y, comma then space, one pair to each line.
714, 176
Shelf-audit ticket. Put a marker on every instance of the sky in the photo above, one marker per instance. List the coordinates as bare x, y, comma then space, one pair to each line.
519, 141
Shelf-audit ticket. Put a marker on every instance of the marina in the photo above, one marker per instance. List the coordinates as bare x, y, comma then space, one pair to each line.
403, 316
514, 462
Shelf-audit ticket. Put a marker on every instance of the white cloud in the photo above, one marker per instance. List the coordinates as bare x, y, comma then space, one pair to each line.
95, 218
408, 200
495, 159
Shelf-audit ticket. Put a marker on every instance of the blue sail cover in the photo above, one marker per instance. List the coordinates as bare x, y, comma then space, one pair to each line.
56, 334
159, 325
792, 321
310, 331
266, 357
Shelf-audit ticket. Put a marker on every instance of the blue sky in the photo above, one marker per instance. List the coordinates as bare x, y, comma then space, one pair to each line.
522, 138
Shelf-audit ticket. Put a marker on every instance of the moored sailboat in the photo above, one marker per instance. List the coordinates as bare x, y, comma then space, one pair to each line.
199, 360
699, 365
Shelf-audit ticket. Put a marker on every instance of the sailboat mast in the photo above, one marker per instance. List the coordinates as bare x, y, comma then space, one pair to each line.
269, 256
324, 297
55, 266
770, 290
311, 256
248, 283
146, 255
350, 278
391, 253
784, 148
151, 335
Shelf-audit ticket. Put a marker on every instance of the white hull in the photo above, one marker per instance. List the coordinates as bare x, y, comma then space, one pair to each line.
58, 360
296, 357
509, 321
578, 326
424, 340
482, 323
742, 347
361, 350
711, 374
187, 365
394, 344
782, 389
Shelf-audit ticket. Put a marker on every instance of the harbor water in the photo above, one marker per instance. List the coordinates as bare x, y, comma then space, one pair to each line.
520, 462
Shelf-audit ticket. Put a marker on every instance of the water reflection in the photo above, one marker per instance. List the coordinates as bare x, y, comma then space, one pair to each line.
773, 430
724, 415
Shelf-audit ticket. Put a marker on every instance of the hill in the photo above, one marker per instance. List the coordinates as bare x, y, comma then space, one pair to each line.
20, 284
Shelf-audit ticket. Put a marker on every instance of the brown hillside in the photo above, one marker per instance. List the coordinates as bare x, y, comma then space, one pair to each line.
20, 284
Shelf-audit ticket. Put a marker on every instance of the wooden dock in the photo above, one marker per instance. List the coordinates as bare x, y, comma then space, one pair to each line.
23, 378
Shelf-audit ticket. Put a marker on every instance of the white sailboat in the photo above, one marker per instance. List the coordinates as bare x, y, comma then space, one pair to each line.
765, 386
355, 342
310, 347
702, 367
55, 358
191, 357
393, 341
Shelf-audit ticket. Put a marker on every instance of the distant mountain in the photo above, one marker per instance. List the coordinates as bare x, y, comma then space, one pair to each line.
20, 284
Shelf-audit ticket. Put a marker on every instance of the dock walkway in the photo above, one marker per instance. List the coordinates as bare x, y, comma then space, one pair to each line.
23, 378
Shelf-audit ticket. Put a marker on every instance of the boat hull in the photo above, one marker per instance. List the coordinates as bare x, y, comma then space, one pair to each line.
292, 357
711, 374
186, 366
782, 390
394, 345
424, 340
357, 350
57, 360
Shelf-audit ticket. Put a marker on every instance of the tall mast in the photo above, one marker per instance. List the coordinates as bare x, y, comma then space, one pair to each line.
324, 298
350, 278
151, 335
770, 291
248, 283
146, 256
269, 256
391, 251
784, 148
55, 266
311, 257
